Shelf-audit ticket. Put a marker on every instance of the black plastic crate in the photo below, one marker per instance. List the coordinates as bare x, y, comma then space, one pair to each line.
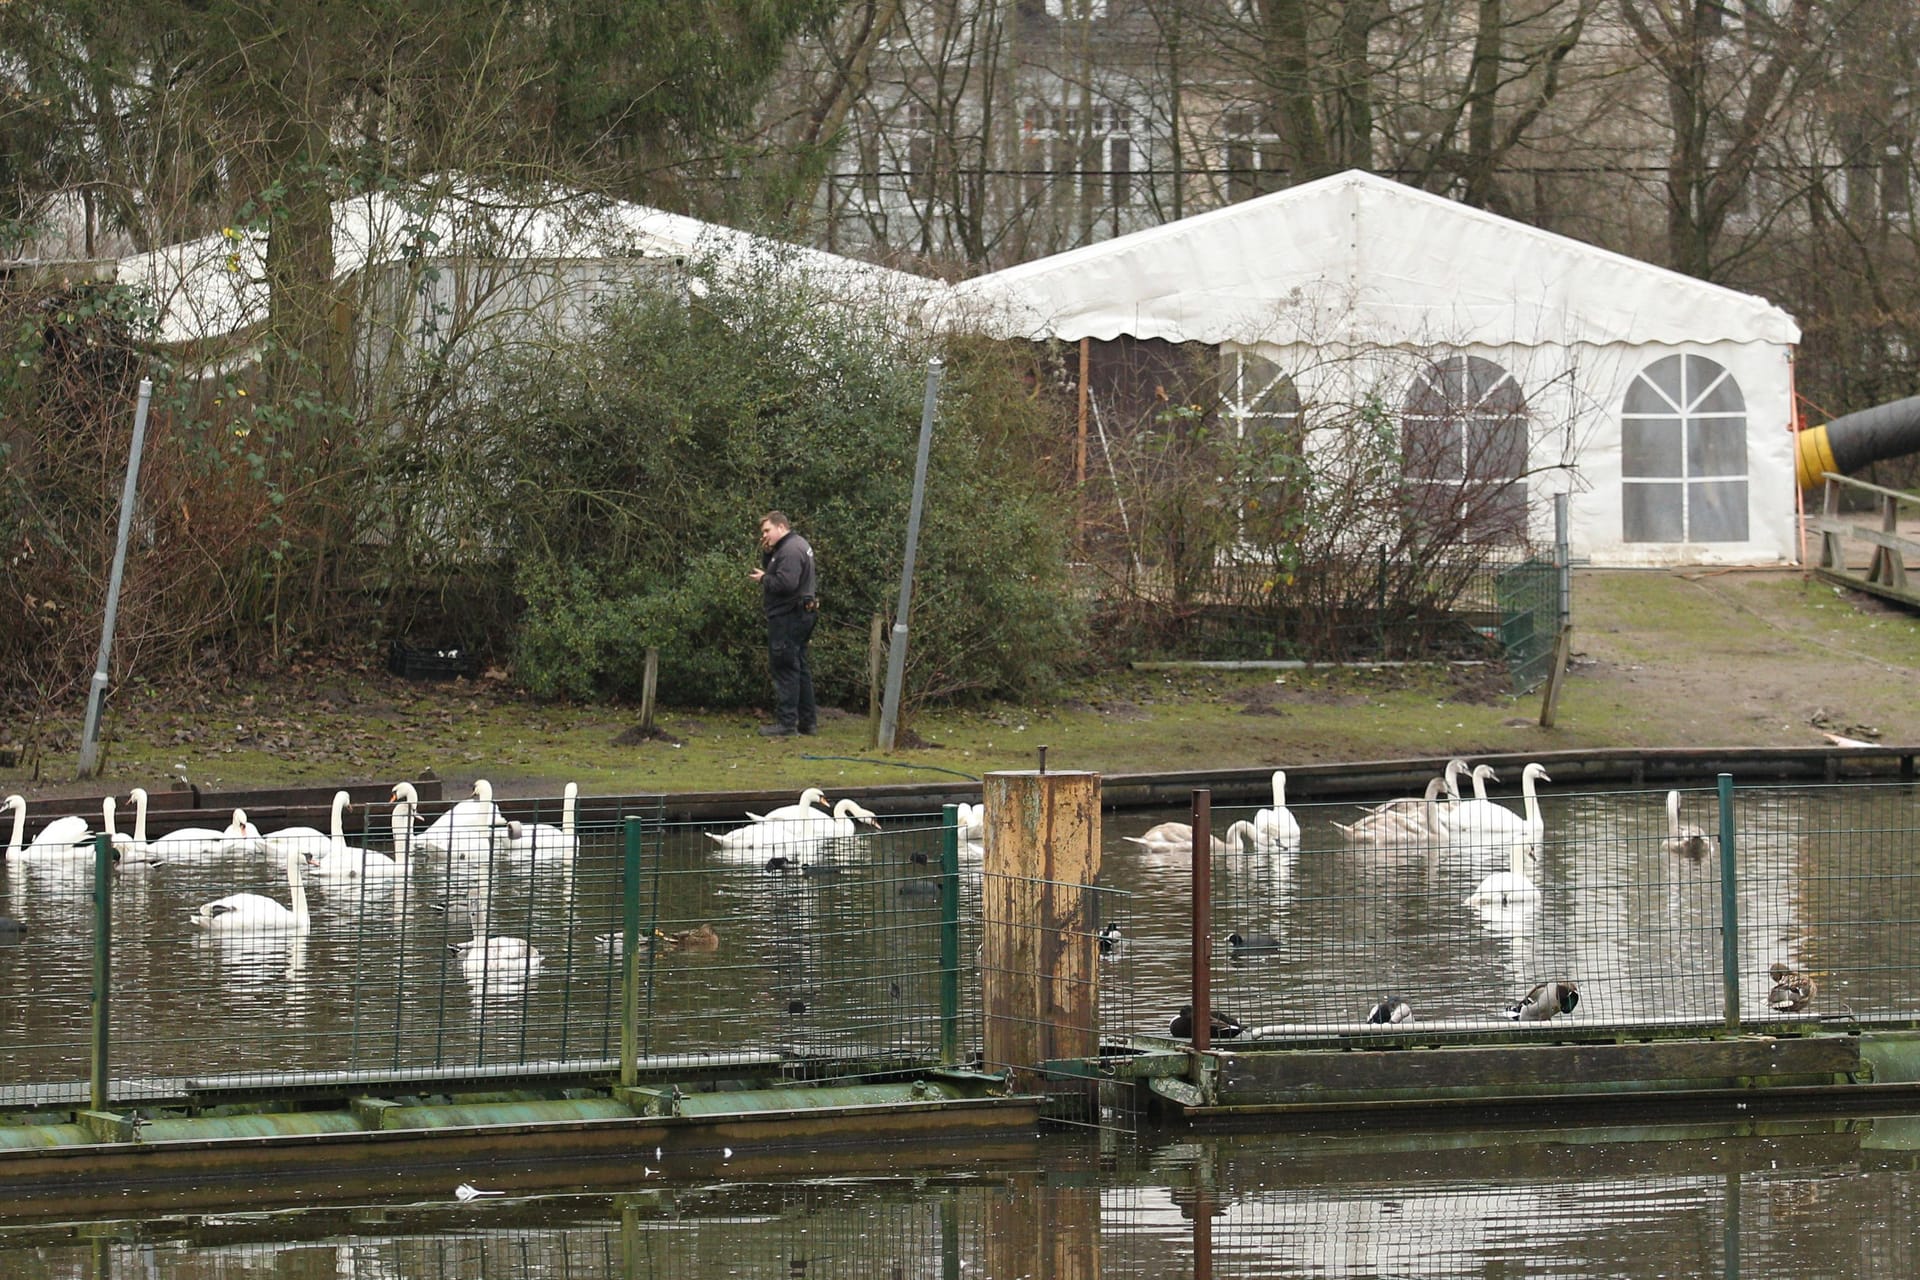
431, 664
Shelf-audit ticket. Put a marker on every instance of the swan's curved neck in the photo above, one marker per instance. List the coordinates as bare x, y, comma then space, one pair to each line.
139, 817
1279, 789
301, 919
19, 829
566, 809
1673, 815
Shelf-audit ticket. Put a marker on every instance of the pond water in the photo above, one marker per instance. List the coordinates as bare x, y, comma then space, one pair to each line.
841, 950
1814, 1198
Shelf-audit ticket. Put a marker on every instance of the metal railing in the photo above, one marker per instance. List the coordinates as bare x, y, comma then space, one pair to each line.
495, 959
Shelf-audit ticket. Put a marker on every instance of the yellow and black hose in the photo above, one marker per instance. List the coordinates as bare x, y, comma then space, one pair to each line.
1855, 439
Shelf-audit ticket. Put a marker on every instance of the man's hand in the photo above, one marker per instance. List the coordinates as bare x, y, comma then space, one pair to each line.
758, 574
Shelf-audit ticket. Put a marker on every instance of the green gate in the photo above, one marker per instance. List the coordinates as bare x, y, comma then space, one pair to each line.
1527, 596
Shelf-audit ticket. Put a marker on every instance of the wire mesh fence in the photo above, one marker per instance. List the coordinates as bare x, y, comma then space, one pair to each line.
1614, 897
294, 960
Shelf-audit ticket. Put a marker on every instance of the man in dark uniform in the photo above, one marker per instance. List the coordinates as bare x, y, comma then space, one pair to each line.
786, 593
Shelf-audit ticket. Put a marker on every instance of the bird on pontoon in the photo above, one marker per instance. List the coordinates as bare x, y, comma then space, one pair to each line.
1389, 1010
1791, 991
1545, 1000
1220, 1026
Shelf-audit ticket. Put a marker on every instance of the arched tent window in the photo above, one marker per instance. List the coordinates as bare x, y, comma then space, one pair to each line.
1683, 454
1260, 403
1463, 440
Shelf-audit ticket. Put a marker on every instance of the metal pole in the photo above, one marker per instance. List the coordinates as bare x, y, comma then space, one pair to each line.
629, 959
897, 651
1563, 557
97, 695
950, 934
1729, 908
1202, 918
102, 966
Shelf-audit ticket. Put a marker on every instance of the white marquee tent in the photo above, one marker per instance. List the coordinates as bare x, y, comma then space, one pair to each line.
1661, 403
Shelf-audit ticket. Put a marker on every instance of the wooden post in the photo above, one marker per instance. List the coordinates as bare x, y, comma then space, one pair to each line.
1556, 676
1040, 958
649, 680
876, 674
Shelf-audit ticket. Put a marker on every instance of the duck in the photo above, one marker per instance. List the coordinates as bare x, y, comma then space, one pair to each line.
343, 861
1177, 837
1546, 999
1388, 1010
1220, 1026
699, 938
1684, 840
543, 839
1276, 830
1480, 824
1110, 939
257, 913
1792, 991
1509, 888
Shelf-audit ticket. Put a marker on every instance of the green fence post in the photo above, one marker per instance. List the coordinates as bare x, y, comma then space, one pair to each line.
629, 959
102, 966
950, 934
1729, 908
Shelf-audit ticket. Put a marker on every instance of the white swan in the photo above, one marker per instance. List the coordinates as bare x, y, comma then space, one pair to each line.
813, 803
130, 852
19, 806
475, 827
503, 962
1481, 825
1276, 830
239, 836
257, 913
343, 861
794, 837
403, 820
1177, 837
1509, 888
1684, 839
543, 839
61, 840
304, 841
973, 821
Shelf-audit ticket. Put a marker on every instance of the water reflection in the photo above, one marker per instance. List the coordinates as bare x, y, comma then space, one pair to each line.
1831, 1198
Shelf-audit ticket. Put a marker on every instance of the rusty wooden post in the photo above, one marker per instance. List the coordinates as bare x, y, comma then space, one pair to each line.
1202, 817
1039, 955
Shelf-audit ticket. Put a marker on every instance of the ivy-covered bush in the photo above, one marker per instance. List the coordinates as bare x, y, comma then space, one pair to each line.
640, 460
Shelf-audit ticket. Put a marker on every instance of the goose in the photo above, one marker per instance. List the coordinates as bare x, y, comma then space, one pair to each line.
1177, 837
257, 913
1390, 826
1480, 824
503, 960
1221, 1026
543, 839
1276, 830
130, 853
1389, 1010
1792, 991
1509, 888
343, 861
1684, 840
813, 804
1545, 1000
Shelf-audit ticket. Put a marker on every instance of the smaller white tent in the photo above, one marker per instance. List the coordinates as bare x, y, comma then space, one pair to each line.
565, 247
1661, 402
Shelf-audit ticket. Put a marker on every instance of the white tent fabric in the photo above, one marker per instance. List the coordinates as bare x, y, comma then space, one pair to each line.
1357, 256
216, 285
1352, 284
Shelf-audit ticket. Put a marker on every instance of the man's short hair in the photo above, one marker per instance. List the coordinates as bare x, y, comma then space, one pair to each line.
778, 519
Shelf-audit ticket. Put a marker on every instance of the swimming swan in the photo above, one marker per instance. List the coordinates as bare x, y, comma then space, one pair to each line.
1276, 830
256, 913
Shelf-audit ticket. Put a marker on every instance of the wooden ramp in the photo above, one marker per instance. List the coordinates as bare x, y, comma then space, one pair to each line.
1845, 541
